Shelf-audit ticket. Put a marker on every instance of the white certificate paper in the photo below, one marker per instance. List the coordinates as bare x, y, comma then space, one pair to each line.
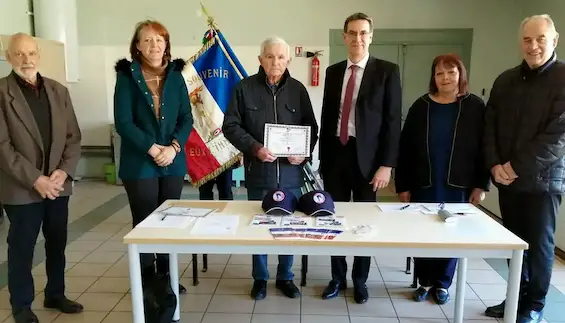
287, 140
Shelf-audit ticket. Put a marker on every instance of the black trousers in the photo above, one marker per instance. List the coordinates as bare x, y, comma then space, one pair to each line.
145, 196
344, 180
224, 184
531, 216
25, 222
435, 272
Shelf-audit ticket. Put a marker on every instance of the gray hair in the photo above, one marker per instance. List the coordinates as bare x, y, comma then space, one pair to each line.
274, 40
546, 17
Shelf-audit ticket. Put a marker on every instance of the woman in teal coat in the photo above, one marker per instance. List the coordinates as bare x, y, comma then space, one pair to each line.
152, 114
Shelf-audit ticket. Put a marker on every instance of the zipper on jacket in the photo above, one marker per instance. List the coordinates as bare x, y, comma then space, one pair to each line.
276, 122
453, 146
428, 144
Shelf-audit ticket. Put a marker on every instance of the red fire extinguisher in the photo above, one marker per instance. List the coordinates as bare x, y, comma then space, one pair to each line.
315, 77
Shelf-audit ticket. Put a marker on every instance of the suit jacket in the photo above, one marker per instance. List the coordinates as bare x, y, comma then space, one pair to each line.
21, 146
378, 114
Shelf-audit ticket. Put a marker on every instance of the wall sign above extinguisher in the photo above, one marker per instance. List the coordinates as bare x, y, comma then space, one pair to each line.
315, 69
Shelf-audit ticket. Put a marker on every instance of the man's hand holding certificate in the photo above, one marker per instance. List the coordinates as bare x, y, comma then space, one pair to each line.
288, 140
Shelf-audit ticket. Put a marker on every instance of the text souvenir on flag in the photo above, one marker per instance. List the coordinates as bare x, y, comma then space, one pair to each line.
210, 76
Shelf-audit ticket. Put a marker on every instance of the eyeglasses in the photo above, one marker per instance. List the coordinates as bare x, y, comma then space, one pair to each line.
362, 33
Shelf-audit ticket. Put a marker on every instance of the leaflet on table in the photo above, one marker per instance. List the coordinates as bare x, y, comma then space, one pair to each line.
297, 221
266, 220
304, 233
330, 220
284, 221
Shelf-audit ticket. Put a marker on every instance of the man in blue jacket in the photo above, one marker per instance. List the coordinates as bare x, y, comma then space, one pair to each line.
270, 96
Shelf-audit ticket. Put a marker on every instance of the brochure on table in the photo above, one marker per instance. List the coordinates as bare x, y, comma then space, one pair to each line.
297, 221
301, 227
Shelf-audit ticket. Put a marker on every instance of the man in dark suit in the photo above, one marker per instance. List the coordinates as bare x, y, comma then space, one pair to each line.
39, 151
359, 135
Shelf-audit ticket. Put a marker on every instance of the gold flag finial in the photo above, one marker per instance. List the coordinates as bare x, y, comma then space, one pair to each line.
211, 22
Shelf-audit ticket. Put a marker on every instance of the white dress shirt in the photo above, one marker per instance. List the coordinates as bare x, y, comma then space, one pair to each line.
358, 77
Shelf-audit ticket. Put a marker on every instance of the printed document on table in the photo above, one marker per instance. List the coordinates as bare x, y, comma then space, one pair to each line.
186, 211
216, 225
156, 220
399, 207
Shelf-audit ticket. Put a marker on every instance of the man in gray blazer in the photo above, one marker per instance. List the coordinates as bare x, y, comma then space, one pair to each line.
39, 151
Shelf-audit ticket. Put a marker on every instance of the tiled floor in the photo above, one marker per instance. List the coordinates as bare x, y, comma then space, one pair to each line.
97, 276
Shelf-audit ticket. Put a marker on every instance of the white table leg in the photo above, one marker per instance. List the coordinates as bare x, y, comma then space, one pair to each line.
460, 292
513, 287
174, 273
136, 286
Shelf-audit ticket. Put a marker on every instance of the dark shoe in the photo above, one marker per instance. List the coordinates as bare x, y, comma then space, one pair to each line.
259, 290
25, 316
496, 311
530, 317
441, 296
333, 289
420, 294
288, 288
361, 294
182, 289
64, 305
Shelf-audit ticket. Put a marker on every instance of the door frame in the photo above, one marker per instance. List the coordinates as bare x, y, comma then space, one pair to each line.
437, 36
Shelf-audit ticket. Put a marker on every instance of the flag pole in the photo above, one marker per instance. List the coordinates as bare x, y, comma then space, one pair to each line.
210, 19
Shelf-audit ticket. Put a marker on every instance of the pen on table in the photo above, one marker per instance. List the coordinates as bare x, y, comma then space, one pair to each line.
164, 216
405, 207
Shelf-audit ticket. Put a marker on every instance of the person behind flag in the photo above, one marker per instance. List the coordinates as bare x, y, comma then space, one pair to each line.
223, 183
270, 96
153, 117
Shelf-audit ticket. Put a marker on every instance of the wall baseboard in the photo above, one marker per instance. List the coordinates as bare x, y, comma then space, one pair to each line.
558, 251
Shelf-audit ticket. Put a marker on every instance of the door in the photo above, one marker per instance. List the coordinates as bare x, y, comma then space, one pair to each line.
416, 71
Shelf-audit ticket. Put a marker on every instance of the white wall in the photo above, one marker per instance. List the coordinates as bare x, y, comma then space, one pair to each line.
13, 17
105, 28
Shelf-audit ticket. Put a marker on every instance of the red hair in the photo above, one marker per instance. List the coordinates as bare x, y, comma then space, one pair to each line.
449, 61
159, 29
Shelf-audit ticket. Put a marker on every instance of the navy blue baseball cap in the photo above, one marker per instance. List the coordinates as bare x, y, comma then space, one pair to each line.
279, 202
317, 203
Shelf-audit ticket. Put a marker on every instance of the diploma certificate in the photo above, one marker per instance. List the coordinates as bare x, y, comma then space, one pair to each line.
287, 140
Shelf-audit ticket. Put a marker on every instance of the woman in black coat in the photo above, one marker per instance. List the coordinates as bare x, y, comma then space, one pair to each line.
440, 159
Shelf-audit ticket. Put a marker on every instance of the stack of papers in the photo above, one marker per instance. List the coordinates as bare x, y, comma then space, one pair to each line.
304, 233
186, 211
174, 217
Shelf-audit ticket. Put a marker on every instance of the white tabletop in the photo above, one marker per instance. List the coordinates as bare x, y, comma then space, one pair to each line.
406, 229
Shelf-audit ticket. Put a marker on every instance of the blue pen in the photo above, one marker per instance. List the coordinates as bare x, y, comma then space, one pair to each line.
405, 206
